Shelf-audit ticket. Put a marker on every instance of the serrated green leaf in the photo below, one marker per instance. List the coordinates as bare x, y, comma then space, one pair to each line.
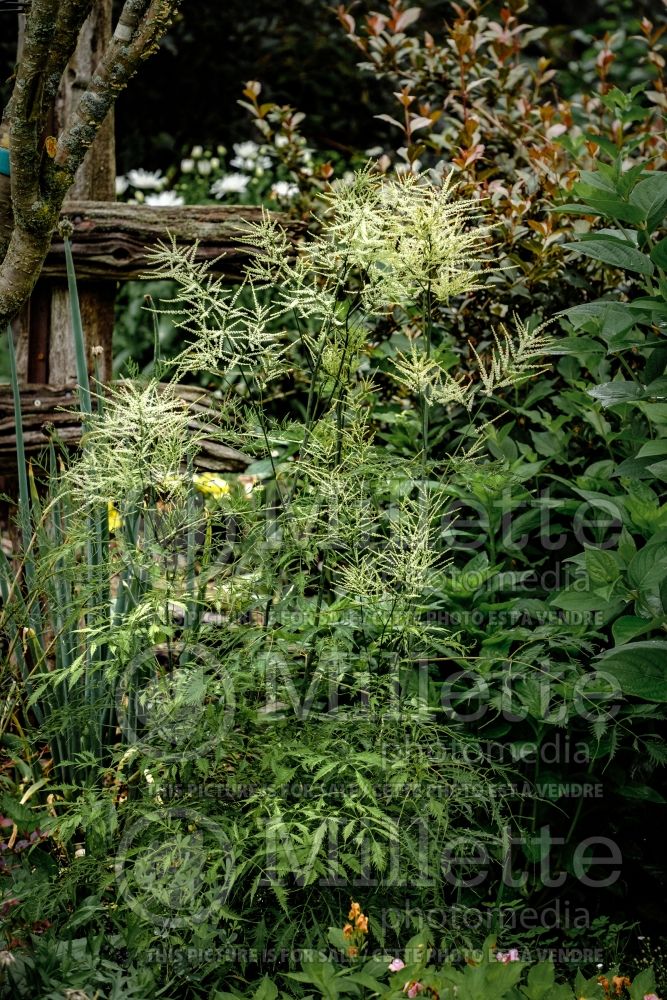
610, 208
616, 253
640, 668
619, 391
650, 195
601, 566
659, 254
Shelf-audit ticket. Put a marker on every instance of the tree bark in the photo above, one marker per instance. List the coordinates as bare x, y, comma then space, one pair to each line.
43, 168
95, 178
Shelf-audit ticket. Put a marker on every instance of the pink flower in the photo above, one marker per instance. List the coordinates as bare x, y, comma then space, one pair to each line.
412, 989
396, 965
651, 996
511, 956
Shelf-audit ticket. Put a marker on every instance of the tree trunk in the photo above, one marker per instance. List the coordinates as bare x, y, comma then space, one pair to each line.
45, 348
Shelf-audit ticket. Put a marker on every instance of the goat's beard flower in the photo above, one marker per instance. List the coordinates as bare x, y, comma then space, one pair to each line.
408, 237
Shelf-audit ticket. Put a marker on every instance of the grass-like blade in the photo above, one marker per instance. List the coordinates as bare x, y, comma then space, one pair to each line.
77, 332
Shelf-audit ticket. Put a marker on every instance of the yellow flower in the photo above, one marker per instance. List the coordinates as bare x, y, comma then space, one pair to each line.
211, 484
347, 930
115, 520
355, 910
362, 923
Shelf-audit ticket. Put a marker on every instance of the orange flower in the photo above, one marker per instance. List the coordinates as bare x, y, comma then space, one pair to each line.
362, 923
347, 930
604, 983
353, 952
355, 911
619, 982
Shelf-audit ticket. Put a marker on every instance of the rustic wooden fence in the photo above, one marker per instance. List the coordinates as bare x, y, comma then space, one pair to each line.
109, 246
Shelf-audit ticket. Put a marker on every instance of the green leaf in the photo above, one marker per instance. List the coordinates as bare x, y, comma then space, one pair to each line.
642, 984
77, 330
653, 449
626, 546
581, 347
575, 599
658, 387
267, 990
630, 626
655, 412
647, 571
610, 208
650, 195
540, 980
336, 938
619, 391
642, 793
363, 979
648, 566
640, 668
612, 317
601, 567
559, 992
651, 304
617, 253
659, 254
609, 147
594, 180
659, 470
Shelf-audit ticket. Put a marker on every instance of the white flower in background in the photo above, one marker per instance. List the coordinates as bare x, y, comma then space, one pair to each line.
242, 163
280, 141
439, 171
122, 184
248, 150
196, 152
284, 189
187, 165
165, 198
204, 167
248, 157
230, 184
146, 180
374, 151
215, 162
257, 166
408, 168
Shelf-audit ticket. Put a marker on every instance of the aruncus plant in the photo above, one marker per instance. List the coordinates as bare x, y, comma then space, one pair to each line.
308, 586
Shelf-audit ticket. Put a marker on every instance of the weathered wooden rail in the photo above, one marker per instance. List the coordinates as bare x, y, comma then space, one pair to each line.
48, 409
111, 241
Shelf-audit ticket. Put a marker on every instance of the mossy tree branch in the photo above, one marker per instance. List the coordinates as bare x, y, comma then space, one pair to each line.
43, 169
